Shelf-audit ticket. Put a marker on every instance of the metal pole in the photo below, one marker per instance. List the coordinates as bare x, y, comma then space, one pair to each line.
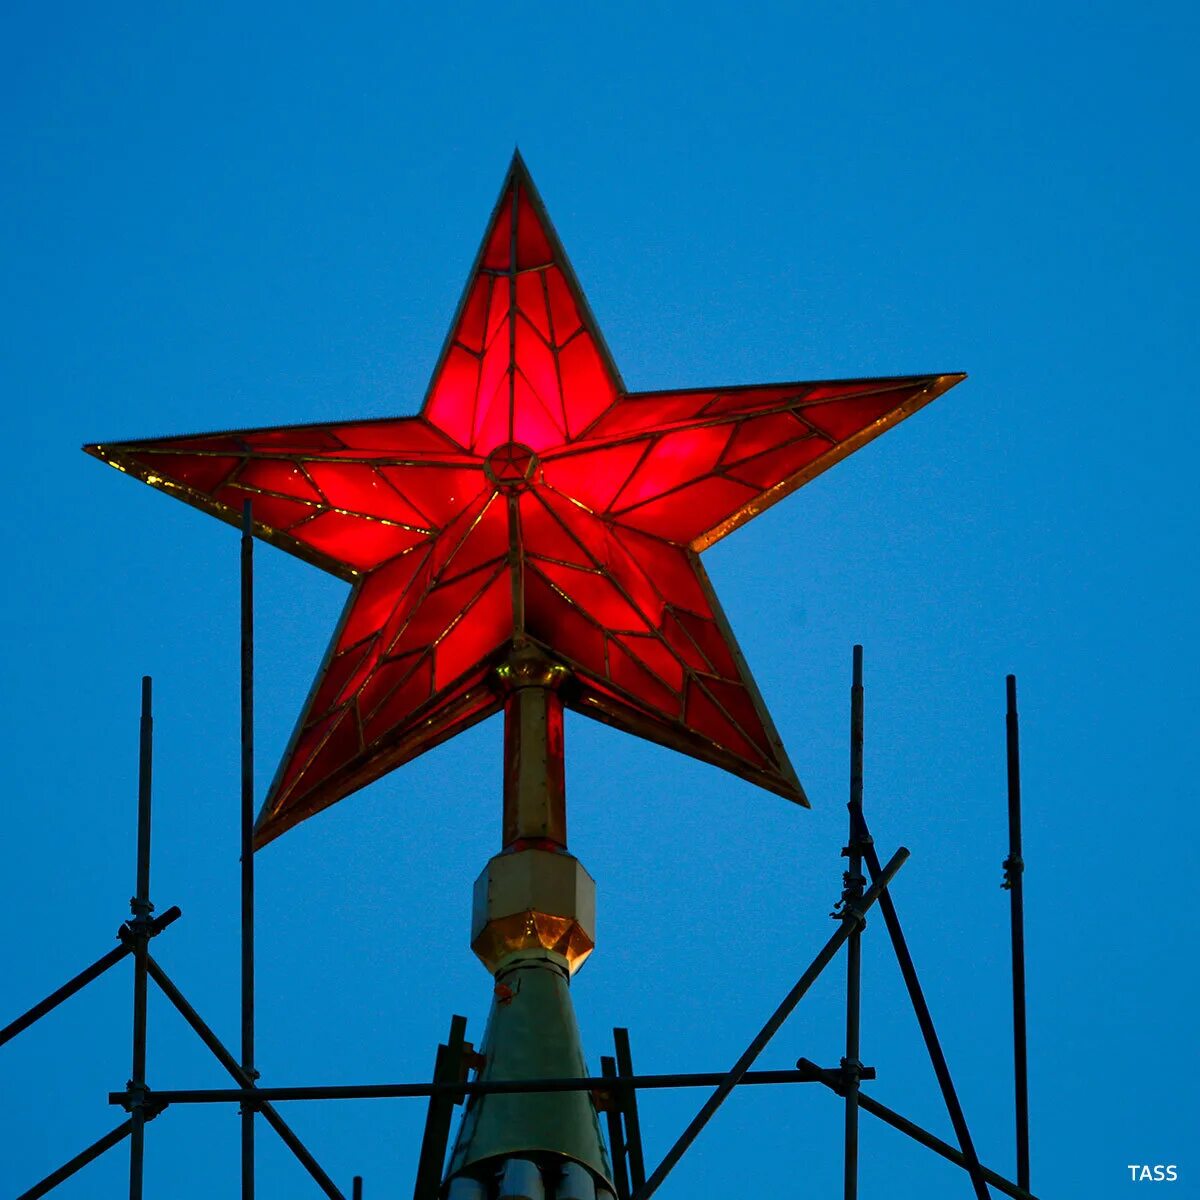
633, 1126
925, 1020
447, 1069
356, 1188
853, 884
851, 916
247, 828
139, 926
457, 1089
616, 1135
1014, 872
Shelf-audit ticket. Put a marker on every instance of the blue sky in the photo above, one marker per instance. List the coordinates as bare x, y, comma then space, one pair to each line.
217, 218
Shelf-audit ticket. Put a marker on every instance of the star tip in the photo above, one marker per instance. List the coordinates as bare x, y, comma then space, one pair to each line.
517, 165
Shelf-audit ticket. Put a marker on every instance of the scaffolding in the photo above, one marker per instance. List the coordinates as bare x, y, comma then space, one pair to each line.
866, 883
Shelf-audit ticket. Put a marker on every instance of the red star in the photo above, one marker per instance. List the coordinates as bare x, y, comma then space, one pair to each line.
533, 499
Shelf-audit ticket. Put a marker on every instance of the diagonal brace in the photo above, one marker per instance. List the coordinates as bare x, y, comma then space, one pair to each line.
932, 1043
73, 985
223, 1056
852, 917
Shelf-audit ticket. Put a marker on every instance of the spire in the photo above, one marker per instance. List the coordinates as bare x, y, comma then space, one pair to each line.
534, 918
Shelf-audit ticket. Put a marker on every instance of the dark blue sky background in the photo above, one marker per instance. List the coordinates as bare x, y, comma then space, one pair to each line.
215, 217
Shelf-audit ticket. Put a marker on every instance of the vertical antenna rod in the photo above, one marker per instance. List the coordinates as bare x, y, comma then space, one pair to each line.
247, 828
139, 928
1014, 870
853, 884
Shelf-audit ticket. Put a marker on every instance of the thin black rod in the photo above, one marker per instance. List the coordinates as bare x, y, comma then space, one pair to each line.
81, 1160
447, 1072
852, 917
65, 992
490, 1087
616, 1135
854, 883
833, 1081
933, 1043
68, 989
247, 830
1014, 877
633, 1126
139, 927
226, 1059
356, 1188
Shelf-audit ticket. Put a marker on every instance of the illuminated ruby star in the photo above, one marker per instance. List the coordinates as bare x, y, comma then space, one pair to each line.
532, 500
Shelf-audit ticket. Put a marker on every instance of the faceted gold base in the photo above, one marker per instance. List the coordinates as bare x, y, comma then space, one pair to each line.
534, 900
563, 936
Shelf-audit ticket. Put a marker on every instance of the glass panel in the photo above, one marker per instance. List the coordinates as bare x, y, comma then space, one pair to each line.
759, 434
634, 577
486, 625
712, 643
497, 252
433, 616
656, 655
536, 361
360, 489
304, 439
545, 536
306, 745
670, 568
638, 414
682, 645
707, 719
499, 307
274, 511
756, 399
629, 674
441, 493
564, 313
685, 514
595, 595
410, 435
533, 422
203, 472
380, 593
487, 541
531, 299
593, 477
674, 458
491, 411
775, 466
554, 622
452, 400
835, 388
341, 747
340, 669
736, 701
355, 541
844, 418
471, 326
533, 246
278, 475
493, 418
393, 694
587, 388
